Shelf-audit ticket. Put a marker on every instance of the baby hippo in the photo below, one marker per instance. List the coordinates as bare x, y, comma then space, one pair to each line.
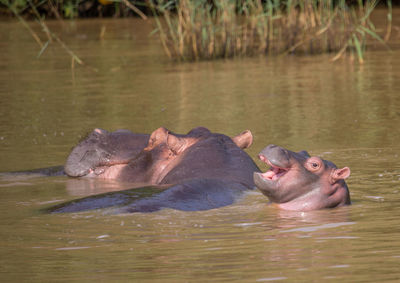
297, 181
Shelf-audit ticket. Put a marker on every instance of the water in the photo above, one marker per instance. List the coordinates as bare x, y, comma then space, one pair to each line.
342, 111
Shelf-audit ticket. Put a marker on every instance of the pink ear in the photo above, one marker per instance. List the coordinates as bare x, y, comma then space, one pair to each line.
158, 136
341, 174
100, 131
244, 139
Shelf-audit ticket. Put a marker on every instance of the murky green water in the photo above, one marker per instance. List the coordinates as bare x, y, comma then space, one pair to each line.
348, 113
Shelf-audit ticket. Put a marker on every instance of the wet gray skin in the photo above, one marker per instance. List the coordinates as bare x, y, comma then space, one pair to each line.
101, 151
297, 181
170, 158
102, 148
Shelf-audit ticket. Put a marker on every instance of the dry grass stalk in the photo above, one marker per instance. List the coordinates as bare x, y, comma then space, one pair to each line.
200, 29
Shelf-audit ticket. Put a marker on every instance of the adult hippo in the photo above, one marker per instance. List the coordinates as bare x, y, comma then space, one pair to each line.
102, 150
297, 181
197, 171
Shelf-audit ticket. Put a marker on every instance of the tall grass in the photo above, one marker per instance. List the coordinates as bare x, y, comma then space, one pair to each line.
71, 9
203, 29
208, 29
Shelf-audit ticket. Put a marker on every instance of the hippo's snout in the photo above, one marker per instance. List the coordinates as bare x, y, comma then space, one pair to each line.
276, 156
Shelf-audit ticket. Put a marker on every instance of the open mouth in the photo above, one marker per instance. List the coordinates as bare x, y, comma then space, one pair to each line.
274, 172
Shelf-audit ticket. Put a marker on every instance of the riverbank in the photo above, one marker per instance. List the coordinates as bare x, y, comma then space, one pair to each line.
203, 30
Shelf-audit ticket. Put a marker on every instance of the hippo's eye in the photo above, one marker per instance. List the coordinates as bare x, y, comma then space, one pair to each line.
313, 164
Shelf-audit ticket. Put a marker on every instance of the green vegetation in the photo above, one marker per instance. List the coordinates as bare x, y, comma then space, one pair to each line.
192, 30
198, 29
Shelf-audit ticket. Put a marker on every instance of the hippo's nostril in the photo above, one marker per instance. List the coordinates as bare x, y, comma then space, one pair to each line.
262, 158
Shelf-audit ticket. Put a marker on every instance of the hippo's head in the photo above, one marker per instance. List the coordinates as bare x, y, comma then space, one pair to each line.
102, 148
297, 181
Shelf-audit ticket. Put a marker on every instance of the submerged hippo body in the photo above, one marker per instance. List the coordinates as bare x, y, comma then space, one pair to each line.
297, 181
197, 171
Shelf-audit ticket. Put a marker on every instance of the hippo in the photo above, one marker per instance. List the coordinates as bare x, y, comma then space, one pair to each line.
102, 150
199, 170
195, 171
297, 181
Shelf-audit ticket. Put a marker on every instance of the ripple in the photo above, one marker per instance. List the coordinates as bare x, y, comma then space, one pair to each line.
71, 248
271, 279
320, 227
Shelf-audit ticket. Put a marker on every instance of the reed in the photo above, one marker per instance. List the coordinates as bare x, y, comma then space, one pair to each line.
16, 8
200, 29
71, 9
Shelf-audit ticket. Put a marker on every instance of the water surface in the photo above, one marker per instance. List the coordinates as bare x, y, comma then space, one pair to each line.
345, 112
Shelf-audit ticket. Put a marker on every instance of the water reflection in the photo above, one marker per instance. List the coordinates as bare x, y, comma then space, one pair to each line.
79, 187
316, 218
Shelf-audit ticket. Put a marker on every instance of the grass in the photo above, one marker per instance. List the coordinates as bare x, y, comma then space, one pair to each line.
193, 30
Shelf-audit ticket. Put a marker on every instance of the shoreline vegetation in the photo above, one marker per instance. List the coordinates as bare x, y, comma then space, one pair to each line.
192, 30
195, 30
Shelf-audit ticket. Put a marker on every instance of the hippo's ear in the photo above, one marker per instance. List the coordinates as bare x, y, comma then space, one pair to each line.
340, 174
244, 139
100, 131
158, 136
